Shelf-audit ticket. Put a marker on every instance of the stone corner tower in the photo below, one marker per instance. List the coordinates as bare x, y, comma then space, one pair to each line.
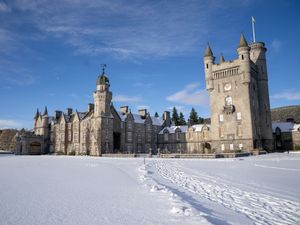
102, 123
239, 99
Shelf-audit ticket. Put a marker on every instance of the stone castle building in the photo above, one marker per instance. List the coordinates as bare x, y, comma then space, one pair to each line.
240, 117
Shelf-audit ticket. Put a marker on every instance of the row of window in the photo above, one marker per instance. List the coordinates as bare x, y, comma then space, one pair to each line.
238, 117
231, 147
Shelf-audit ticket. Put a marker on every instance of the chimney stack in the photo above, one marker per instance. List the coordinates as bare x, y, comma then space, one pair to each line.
124, 110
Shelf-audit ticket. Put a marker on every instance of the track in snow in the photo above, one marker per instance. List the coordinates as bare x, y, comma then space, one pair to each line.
260, 208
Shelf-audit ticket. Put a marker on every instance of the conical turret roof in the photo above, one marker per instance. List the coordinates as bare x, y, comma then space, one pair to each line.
243, 42
208, 51
221, 60
37, 114
45, 112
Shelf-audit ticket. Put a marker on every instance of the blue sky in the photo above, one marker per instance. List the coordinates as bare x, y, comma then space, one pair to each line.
51, 51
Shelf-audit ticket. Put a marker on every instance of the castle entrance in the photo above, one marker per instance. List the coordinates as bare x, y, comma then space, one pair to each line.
206, 148
35, 148
117, 141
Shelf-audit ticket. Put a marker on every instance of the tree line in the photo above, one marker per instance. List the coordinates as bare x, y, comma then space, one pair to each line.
178, 119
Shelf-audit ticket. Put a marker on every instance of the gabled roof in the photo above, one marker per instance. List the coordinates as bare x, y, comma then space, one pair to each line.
157, 121
184, 129
285, 126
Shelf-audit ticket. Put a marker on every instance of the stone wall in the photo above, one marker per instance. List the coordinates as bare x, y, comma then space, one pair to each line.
7, 139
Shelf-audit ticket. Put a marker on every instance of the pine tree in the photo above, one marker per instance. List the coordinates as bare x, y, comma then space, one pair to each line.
156, 114
181, 119
175, 117
193, 119
200, 120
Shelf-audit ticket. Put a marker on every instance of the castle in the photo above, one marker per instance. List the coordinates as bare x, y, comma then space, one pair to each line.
240, 117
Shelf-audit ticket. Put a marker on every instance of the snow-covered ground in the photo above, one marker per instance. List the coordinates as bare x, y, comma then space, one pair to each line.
89, 190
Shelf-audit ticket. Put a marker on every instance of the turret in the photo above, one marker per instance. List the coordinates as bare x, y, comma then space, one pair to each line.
209, 60
102, 96
221, 60
37, 115
258, 56
45, 122
244, 56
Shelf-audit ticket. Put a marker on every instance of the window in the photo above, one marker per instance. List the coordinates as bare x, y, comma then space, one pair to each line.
241, 146
221, 130
239, 116
206, 66
242, 57
166, 137
222, 147
129, 136
231, 146
221, 118
129, 125
239, 130
228, 101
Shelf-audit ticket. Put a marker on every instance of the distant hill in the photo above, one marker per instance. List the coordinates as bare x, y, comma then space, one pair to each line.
286, 112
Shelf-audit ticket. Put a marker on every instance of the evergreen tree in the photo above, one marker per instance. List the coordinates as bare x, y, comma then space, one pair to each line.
200, 120
156, 114
193, 119
175, 117
181, 119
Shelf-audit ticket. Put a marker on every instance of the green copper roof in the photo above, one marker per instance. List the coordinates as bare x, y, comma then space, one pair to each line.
102, 79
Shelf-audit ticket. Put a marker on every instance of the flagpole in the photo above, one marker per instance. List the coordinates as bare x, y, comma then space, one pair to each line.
253, 30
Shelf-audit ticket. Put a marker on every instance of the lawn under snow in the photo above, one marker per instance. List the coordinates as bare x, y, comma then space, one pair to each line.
48, 190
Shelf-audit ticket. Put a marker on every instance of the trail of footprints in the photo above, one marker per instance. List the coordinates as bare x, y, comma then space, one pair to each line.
261, 208
178, 206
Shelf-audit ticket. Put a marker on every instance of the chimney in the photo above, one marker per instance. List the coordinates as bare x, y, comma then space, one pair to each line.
167, 118
57, 114
143, 113
124, 110
69, 111
90, 107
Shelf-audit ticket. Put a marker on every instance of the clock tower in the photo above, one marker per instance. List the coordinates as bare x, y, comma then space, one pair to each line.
239, 99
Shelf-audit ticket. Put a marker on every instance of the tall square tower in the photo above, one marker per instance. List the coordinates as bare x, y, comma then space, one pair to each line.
239, 99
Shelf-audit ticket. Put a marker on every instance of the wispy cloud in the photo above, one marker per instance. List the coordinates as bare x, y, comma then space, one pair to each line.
4, 7
190, 95
143, 107
289, 95
125, 98
276, 45
125, 30
8, 123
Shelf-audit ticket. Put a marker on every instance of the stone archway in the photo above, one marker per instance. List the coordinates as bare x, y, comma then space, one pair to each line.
207, 148
35, 148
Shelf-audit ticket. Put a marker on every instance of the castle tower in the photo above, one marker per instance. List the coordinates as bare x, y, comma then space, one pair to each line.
235, 100
45, 123
258, 57
102, 120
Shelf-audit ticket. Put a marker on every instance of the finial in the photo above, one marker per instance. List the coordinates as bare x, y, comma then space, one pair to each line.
103, 66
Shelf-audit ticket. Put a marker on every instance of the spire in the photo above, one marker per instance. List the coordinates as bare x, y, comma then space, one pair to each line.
208, 52
45, 112
37, 114
243, 42
221, 60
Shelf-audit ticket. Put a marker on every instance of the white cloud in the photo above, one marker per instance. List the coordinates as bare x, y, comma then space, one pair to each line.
143, 107
289, 95
190, 95
6, 124
132, 30
4, 7
124, 98
276, 45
